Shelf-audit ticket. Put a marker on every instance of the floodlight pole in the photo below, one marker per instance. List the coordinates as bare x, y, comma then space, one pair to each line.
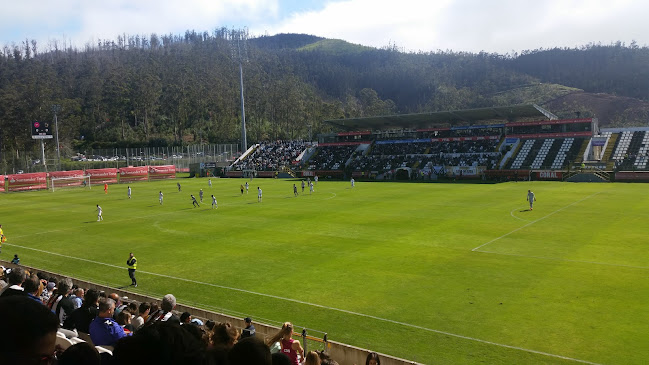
43, 154
56, 108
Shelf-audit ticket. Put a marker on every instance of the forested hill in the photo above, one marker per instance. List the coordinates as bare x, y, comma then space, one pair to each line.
175, 89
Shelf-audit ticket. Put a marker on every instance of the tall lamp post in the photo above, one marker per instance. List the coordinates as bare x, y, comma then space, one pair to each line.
57, 108
244, 142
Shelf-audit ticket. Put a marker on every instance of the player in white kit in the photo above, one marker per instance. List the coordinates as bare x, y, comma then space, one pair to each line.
531, 198
99, 212
160, 197
258, 194
214, 206
352, 181
311, 188
247, 186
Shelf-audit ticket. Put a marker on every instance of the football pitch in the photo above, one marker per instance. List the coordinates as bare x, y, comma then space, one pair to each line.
434, 273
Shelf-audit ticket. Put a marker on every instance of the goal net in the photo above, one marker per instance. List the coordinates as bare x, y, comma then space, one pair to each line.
57, 183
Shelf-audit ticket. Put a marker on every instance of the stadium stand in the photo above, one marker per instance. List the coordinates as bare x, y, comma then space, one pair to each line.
271, 156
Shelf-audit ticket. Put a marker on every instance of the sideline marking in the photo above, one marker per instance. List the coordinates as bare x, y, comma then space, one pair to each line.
532, 222
324, 307
512, 214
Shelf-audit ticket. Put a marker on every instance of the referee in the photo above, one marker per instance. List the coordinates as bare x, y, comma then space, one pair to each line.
132, 264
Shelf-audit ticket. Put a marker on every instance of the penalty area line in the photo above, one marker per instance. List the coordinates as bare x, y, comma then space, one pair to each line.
534, 221
323, 307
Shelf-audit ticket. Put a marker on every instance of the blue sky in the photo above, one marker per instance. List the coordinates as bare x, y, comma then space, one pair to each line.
413, 25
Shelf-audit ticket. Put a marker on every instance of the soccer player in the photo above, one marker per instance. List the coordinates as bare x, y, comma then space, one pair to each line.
200, 195
258, 194
531, 198
194, 202
242, 189
214, 206
311, 188
316, 179
99, 212
105, 188
209, 182
178, 184
132, 264
294, 190
302, 185
352, 181
160, 197
247, 186
129, 192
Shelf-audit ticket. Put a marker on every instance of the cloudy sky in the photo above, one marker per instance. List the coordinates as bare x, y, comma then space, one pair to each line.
412, 25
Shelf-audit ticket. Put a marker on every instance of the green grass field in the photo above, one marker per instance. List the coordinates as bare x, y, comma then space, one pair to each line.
436, 273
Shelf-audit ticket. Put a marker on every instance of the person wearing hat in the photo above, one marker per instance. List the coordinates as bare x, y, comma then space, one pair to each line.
249, 331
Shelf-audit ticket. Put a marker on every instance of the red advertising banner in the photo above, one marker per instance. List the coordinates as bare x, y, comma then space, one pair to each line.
129, 174
72, 174
162, 172
32, 181
552, 135
266, 173
2, 183
549, 175
234, 174
102, 176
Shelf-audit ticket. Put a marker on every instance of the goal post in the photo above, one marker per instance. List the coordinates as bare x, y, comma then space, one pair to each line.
57, 183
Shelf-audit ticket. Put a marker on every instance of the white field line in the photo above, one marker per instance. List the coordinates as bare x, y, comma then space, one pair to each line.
323, 307
512, 214
534, 221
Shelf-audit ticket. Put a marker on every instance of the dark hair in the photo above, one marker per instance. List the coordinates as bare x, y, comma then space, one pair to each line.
184, 317
80, 354
90, 298
32, 284
16, 276
24, 322
162, 343
143, 307
209, 324
132, 307
279, 358
373, 356
250, 351
123, 317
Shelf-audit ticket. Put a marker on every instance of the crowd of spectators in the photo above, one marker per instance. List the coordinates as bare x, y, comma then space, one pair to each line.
331, 157
76, 326
272, 156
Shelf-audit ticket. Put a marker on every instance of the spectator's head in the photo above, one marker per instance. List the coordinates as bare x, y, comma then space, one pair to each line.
33, 285
29, 331
279, 358
80, 354
115, 298
312, 358
284, 333
51, 286
144, 309
373, 359
225, 335
64, 286
106, 308
168, 303
248, 321
91, 298
16, 276
123, 318
209, 325
185, 318
250, 351
132, 307
161, 343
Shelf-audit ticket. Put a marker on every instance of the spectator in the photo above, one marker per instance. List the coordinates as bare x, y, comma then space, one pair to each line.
15, 260
33, 287
119, 306
289, 346
165, 313
81, 318
373, 359
185, 318
225, 335
81, 353
250, 351
15, 281
48, 291
124, 320
161, 343
280, 359
143, 314
312, 358
77, 297
63, 306
104, 330
249, 331
29, 331
132, 309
